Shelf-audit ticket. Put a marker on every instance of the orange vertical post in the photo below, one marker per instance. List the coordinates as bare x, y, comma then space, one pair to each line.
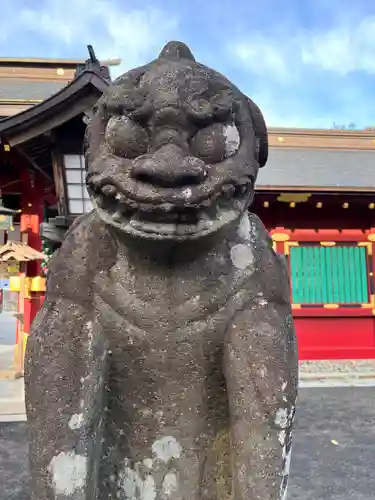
32, 211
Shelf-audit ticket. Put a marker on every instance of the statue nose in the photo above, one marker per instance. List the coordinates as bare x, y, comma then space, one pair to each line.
168, 167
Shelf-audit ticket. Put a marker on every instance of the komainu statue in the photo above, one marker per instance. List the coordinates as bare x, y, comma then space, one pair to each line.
163, 363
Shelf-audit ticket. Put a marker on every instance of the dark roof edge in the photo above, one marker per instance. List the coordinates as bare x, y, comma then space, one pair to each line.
12, 125
41, 62
313, 188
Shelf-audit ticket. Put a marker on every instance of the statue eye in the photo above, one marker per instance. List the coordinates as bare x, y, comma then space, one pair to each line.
216, 142
125, 137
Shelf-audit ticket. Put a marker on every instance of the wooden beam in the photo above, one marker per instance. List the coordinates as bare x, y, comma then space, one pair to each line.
35, 166
60, 184
354, 140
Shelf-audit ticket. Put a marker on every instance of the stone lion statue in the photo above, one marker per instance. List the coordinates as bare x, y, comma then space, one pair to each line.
163, 363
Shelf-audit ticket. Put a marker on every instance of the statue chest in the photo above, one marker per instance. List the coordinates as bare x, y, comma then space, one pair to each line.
136, 330
144, 302
163, 367
162, 327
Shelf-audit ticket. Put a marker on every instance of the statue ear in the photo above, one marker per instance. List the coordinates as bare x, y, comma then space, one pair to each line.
261, 134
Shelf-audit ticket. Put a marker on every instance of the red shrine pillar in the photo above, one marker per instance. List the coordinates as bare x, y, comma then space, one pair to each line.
32, 212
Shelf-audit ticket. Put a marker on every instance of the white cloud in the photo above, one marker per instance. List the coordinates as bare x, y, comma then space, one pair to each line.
298, 77
115, 31
341, 49
286, 72
344, 49
262, 58
292, 113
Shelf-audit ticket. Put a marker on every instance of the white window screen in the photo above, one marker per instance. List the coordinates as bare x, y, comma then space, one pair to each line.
78, 197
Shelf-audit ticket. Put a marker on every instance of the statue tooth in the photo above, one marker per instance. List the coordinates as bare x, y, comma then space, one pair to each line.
167, 228
118, 216
204, 224
134, 220
149, 227
166, 207
182, 229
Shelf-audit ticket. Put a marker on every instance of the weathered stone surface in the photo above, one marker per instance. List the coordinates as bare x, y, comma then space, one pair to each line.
163, 363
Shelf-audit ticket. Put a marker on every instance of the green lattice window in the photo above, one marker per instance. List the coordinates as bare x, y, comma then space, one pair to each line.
324, 275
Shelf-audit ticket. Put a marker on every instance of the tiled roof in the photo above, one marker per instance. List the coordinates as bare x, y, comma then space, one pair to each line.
318, 168
29, 90
81, 92
14, 250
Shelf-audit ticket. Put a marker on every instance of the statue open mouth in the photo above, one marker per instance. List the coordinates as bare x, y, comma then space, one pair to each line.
172, 220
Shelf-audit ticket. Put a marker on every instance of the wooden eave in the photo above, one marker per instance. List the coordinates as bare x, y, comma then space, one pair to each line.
75, 98
42, 62
322, 139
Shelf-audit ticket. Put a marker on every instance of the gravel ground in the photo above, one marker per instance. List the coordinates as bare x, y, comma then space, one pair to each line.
365, 366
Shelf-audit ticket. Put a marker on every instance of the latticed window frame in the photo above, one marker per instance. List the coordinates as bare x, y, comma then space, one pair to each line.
78, 199
367, 246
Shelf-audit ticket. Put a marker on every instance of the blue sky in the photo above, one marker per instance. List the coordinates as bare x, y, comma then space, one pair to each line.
306, 63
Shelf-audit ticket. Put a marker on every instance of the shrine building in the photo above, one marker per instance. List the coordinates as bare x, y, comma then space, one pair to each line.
316, 196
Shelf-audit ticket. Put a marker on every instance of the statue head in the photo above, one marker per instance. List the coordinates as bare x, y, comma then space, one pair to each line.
173, 150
